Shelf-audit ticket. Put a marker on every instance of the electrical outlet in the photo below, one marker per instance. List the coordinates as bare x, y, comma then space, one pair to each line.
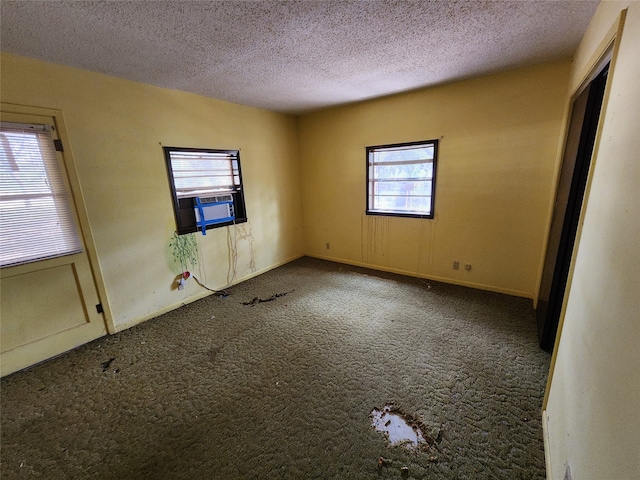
456, 265
328, 246
467, 267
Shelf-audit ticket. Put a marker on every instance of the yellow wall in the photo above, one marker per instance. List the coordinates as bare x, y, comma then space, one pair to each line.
496, 166
592, 412
498, 161
116, 129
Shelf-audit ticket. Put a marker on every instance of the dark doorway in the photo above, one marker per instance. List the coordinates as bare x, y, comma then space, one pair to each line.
564, 226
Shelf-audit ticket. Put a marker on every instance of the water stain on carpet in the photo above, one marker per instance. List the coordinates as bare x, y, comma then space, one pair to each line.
400, 428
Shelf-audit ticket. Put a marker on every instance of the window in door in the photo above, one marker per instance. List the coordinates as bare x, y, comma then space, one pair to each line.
36, 219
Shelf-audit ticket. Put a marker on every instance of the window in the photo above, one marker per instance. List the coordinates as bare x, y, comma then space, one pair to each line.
401, 179
36, 218
207, 188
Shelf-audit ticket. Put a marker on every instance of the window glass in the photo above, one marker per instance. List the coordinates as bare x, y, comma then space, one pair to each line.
401, 179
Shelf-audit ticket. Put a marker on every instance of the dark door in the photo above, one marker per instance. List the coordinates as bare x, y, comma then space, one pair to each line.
571, 186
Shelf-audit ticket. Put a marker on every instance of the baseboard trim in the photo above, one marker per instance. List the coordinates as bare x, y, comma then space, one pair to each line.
545, 436
478, 286
199, 296
193, 298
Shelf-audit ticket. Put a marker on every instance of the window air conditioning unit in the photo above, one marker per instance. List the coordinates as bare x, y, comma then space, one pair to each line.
212, 210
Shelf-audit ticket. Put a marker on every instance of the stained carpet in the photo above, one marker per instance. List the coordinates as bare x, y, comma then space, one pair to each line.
230, 387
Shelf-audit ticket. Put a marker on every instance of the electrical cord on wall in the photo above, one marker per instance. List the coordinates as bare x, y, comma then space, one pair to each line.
205, 287
233, 262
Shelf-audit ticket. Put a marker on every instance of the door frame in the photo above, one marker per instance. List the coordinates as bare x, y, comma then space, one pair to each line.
607, 52
578, 152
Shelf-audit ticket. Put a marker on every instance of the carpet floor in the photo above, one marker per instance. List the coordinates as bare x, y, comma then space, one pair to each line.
231, 387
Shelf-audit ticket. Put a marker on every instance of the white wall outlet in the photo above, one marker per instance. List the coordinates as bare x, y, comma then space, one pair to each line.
456, 265
467, 267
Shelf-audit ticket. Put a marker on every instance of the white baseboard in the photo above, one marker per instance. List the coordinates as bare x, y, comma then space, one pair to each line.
545, 436
435, 278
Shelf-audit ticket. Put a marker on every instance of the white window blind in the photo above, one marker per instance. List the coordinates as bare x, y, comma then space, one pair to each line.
36, 220
201, 173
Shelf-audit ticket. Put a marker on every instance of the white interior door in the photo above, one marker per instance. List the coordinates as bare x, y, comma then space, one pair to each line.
48, 306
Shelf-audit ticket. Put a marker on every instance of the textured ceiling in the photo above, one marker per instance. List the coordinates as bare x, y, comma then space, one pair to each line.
294, 56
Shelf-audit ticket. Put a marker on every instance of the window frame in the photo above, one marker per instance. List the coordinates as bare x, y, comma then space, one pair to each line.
184, 207
398, 213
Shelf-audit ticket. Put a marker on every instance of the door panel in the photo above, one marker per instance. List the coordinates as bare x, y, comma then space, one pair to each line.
560, 209
568, 207
31, 320
48, 306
